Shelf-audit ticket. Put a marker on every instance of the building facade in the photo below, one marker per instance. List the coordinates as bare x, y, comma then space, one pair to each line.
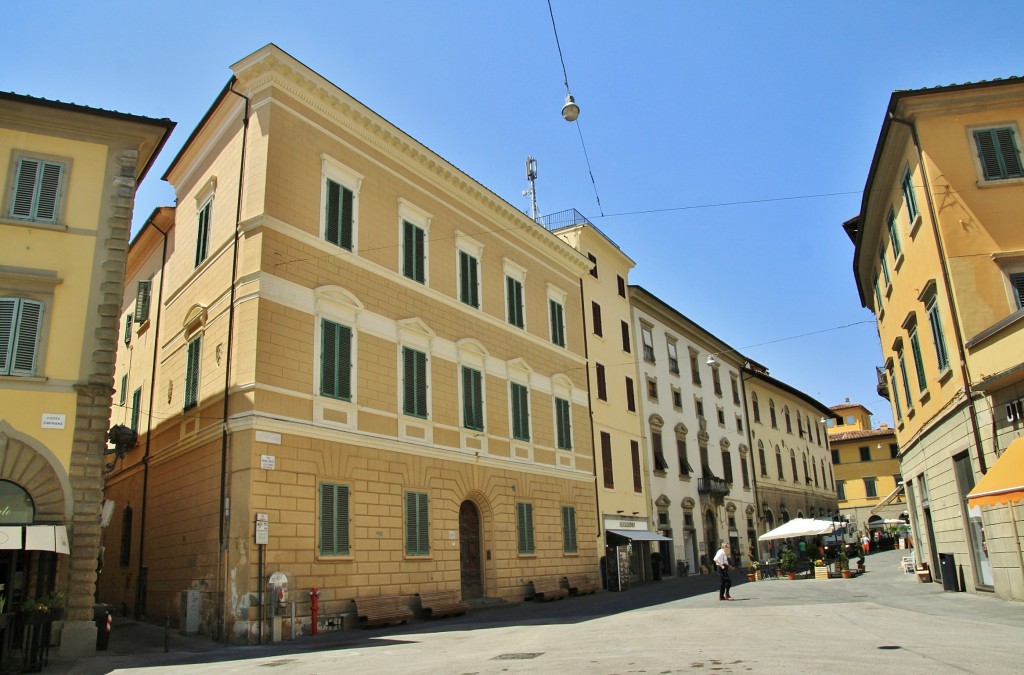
866, 463
938, 259
696, 433
70, 176
792, 462
371, 374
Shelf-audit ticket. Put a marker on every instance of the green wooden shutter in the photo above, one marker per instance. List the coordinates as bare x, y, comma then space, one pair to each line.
49, 192
128, 329
998, 153
338, 219
28, 323
557, 313
335, 361
203, 232
569, 529
334, 517
142, 290
136, 406
937, 337
123, 390
192, 374
1017, 281
414, 371
25, 189
894, 234
514, 298
563, 424
413, 252
520, 412
524, 527
417, 523
469, 286
472, 399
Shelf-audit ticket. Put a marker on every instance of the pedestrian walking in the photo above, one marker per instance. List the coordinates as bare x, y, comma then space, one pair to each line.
722, 564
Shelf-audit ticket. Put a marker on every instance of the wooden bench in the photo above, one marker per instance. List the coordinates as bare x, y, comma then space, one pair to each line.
548, 589
442, 603
581, 584
382, 610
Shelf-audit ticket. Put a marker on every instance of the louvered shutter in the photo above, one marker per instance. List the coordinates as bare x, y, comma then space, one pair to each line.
49, 192
417, 523
25, 188
414, 368
123, 391
203, 233
136, 405
563, 423
472, 394
328, 519
569, 529
412, 251
998, 153
520, 412
335, 360
36, 192
142, 289
338, 220
524, 527
26, 337
8, 309
128, 329
1017, 281
468, 282
1009, 153
192, 374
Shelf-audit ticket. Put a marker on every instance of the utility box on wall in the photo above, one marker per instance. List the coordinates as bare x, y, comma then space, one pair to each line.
191, 606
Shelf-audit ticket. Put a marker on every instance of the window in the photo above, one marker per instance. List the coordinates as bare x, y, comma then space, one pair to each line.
21, 323
1017, 283
835, 456
414, 252
739, 424
757, 408
472, 399
203, 232
743, 471
800, 426
602, 385
727, 466
469, 280
648, 339
126, 537
630, 398
524, 527
736, 390
520, 396
694, 367
915, 350
335, 361
761, 459
908, 196
37, 190
334, 530
136, 408
634, 451
128, 330
792, 461
998, 152
563, 424
659, 452
123, 390
622, 285
865, 453
716, 381
906, 380
677, 398
557, 314
417, 524
884, 264
778, 462
338, 219
938, 338
596, 312
878, 293
894, 236
192, 373
606, 459
593, 259
841, 490
514, 302
869, 487
652, 389
789, 422
684, 463
626, 347
569, 529
414, 382
894, 451
771, 413
673, 358
721, 416
897, 479
142, 289
698, 407
895, 394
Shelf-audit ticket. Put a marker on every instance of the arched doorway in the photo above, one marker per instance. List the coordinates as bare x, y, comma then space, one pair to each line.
469, 553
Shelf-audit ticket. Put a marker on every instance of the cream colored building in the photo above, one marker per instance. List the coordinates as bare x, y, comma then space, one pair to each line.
616, 393
791, 462
364, 359
939, 260
866, 463
70, 174
696, 432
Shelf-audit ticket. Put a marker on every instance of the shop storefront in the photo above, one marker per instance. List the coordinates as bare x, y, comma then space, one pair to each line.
628, 548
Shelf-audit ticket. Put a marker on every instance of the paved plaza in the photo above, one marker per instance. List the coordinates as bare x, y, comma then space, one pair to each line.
883, 621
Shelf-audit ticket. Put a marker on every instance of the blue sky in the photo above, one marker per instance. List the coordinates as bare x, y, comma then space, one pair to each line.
727, 141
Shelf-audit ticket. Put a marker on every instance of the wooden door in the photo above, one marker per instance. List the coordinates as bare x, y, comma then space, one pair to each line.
469, 538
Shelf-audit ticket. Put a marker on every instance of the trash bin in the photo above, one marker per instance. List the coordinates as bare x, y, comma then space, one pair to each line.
103, 616
947, 567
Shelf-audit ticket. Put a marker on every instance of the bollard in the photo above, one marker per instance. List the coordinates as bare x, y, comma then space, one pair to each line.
293, 620
314, 608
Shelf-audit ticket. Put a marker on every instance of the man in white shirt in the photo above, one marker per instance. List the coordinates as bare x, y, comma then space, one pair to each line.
722, 565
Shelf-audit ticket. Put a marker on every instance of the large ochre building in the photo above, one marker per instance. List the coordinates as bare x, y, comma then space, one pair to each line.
70, 174
939, 260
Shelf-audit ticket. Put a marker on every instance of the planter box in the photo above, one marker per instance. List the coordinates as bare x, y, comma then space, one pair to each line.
821, 572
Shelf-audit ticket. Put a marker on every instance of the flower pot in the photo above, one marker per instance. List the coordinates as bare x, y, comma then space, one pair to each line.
791, 576
847, 574
751, 577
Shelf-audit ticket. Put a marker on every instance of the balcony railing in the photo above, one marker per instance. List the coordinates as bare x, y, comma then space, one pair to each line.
883, 383
716, 487
568, 218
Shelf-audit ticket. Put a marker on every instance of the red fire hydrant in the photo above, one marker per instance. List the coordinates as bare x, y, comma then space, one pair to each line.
314, 607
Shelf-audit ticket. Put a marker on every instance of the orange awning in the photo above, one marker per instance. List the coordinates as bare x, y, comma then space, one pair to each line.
1004, 482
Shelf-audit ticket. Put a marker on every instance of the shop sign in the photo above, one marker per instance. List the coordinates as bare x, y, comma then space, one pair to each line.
53, 421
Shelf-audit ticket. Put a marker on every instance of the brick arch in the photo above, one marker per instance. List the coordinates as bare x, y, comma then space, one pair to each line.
36, 469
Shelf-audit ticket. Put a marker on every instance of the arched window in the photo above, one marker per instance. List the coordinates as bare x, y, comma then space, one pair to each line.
771, 413
778, 461
792, 460
18, 505
757, 408
789, 422
760, 456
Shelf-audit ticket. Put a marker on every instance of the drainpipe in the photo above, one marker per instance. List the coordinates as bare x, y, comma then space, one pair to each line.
590, 407
224, 515
753, 465
964, 373
149, 423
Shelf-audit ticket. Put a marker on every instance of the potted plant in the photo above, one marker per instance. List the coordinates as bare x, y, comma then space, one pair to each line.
755, 571
844, 564
656, 564
860, 563
788, 563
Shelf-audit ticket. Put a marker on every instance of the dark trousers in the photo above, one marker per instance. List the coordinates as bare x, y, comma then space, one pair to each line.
723, 591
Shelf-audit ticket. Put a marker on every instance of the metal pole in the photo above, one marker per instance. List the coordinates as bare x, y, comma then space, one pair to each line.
293, 620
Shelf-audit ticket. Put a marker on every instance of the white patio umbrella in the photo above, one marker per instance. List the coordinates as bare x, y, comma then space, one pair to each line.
800, 527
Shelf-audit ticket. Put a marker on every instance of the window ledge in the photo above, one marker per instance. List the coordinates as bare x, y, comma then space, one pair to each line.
685, 477
924, 397
888, 290
34, 224
34, 379
999, 182
945, 375
915, 225
899, 262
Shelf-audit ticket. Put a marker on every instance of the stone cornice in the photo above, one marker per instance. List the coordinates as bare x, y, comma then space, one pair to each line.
271, 68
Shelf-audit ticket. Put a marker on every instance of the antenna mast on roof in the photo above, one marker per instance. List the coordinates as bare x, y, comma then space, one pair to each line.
531, 175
